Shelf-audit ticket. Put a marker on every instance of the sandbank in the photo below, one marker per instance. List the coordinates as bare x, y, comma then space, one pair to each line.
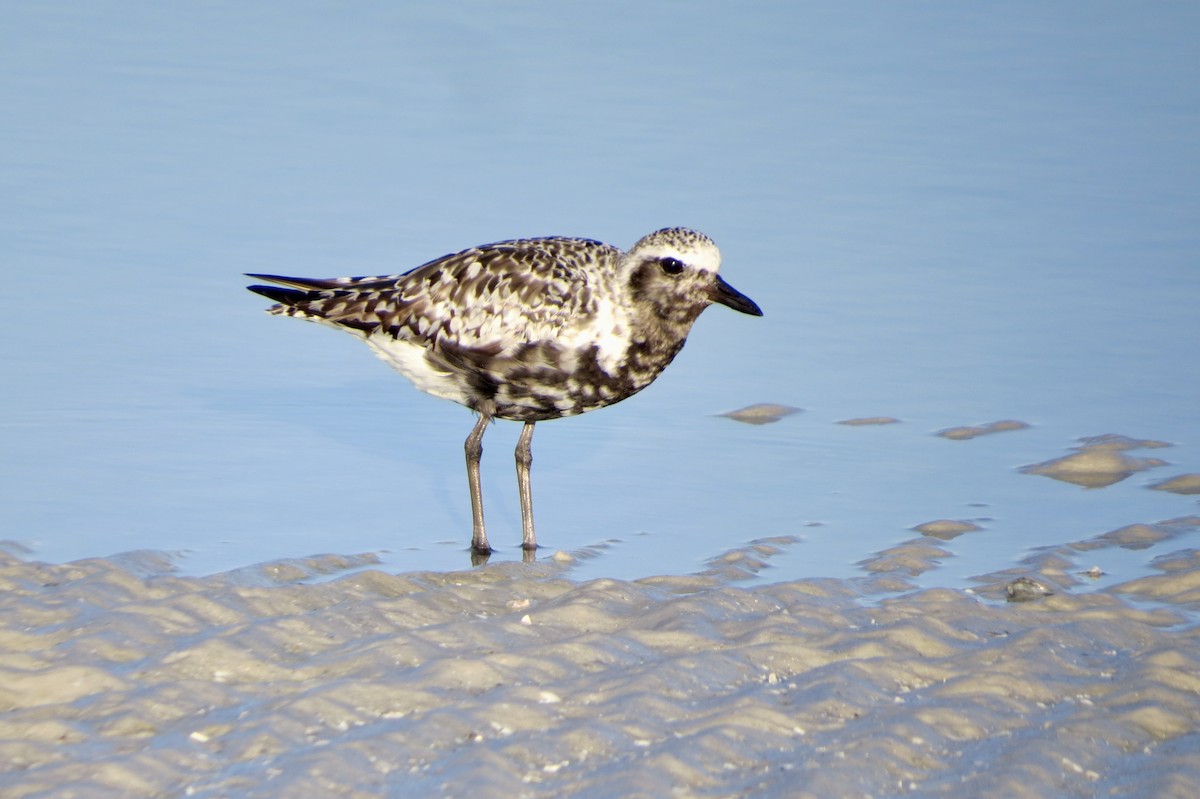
119, 678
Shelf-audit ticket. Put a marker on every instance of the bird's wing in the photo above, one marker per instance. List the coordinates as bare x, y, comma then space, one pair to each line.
485, 298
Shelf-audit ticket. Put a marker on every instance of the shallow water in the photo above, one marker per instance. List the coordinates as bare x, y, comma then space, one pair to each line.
950, 215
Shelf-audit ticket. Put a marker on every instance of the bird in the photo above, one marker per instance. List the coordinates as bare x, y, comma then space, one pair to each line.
525, 330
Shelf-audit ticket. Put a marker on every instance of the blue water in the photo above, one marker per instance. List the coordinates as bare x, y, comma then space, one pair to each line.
950, 213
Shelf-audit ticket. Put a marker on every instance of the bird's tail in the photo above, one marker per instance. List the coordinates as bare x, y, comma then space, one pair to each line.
293, 295
351, 303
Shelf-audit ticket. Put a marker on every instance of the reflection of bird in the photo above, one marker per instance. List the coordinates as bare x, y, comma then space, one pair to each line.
526, 330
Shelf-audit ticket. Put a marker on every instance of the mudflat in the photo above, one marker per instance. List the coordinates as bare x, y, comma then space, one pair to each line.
119, 678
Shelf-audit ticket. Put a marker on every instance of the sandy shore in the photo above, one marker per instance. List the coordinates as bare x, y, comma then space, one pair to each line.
119, 679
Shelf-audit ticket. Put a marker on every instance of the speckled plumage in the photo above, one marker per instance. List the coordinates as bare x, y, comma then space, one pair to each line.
527, 330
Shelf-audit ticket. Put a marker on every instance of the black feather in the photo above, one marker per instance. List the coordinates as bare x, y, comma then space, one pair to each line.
280, 295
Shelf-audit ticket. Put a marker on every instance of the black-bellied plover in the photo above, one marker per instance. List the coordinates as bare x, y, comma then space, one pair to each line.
527, 330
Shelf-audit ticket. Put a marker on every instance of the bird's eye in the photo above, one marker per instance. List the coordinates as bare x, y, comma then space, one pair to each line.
672, 266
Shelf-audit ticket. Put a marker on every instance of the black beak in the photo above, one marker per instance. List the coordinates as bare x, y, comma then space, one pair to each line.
728, 295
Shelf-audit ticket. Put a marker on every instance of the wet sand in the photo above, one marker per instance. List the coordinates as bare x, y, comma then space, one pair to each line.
120, 679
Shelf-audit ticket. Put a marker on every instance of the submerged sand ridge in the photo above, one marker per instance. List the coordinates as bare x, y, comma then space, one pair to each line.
120, 679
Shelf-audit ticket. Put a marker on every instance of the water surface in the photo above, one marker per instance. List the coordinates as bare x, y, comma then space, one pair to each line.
949, 214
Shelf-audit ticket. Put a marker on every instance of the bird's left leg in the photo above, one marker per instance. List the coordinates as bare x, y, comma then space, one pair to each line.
474, 451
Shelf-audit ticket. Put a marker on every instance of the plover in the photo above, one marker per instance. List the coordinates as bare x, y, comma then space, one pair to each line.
526, 330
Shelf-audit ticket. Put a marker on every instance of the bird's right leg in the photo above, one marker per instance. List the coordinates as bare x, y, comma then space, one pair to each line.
524, 461
474, 450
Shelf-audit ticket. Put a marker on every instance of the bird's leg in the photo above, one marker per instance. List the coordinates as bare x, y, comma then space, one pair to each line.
474, 450
524, 455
